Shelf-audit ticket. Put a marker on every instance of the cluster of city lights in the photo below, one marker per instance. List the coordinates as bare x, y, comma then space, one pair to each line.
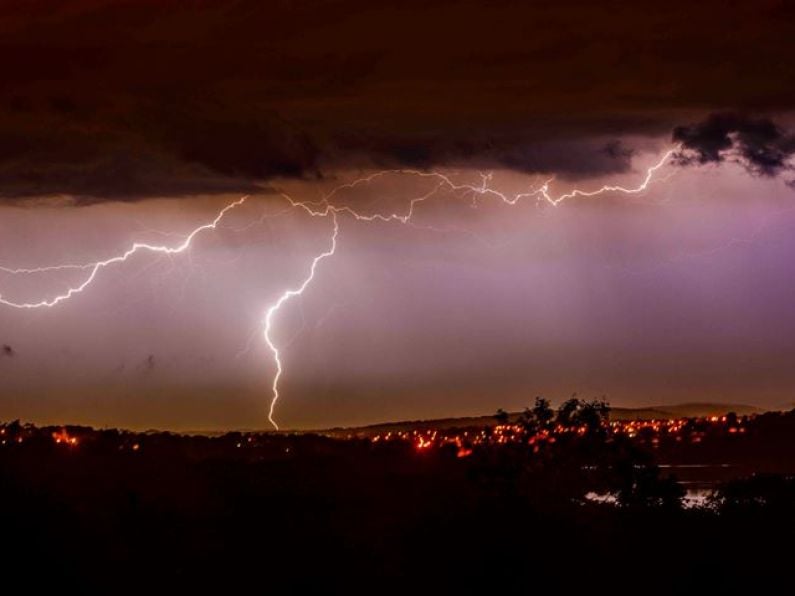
691, 430
464, 441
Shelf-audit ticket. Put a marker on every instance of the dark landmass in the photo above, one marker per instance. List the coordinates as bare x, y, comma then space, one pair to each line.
509, 508
687, 410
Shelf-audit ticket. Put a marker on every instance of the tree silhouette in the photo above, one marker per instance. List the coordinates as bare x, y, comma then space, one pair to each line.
501, 416
543, 413
567, 412
593, 415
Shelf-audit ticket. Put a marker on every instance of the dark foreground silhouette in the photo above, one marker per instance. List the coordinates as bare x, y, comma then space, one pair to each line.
84, 511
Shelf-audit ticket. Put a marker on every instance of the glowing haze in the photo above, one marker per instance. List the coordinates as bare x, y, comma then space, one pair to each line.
238, 214
324, 208
478, 301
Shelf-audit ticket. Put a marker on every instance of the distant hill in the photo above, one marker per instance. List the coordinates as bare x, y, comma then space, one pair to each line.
687, 410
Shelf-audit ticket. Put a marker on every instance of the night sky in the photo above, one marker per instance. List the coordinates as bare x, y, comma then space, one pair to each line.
138, 121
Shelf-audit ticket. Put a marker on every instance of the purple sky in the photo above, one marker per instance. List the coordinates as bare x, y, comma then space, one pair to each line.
137, 121
682, 293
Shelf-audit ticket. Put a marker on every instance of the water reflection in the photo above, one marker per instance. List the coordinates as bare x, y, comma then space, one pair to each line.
694, 497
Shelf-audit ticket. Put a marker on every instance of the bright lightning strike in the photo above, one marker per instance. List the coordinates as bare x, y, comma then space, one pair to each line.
97, 266
274, 308
324, 208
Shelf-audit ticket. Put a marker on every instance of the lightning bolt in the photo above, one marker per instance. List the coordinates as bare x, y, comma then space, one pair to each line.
97, 266
325, 208
274, 308
541, 193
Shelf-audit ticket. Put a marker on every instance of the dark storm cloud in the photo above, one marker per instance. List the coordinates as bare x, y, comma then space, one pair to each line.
761, 146
105, 99
186, 152
572, 158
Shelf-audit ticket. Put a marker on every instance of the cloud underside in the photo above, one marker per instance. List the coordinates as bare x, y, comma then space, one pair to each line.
758, 144
108, 100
